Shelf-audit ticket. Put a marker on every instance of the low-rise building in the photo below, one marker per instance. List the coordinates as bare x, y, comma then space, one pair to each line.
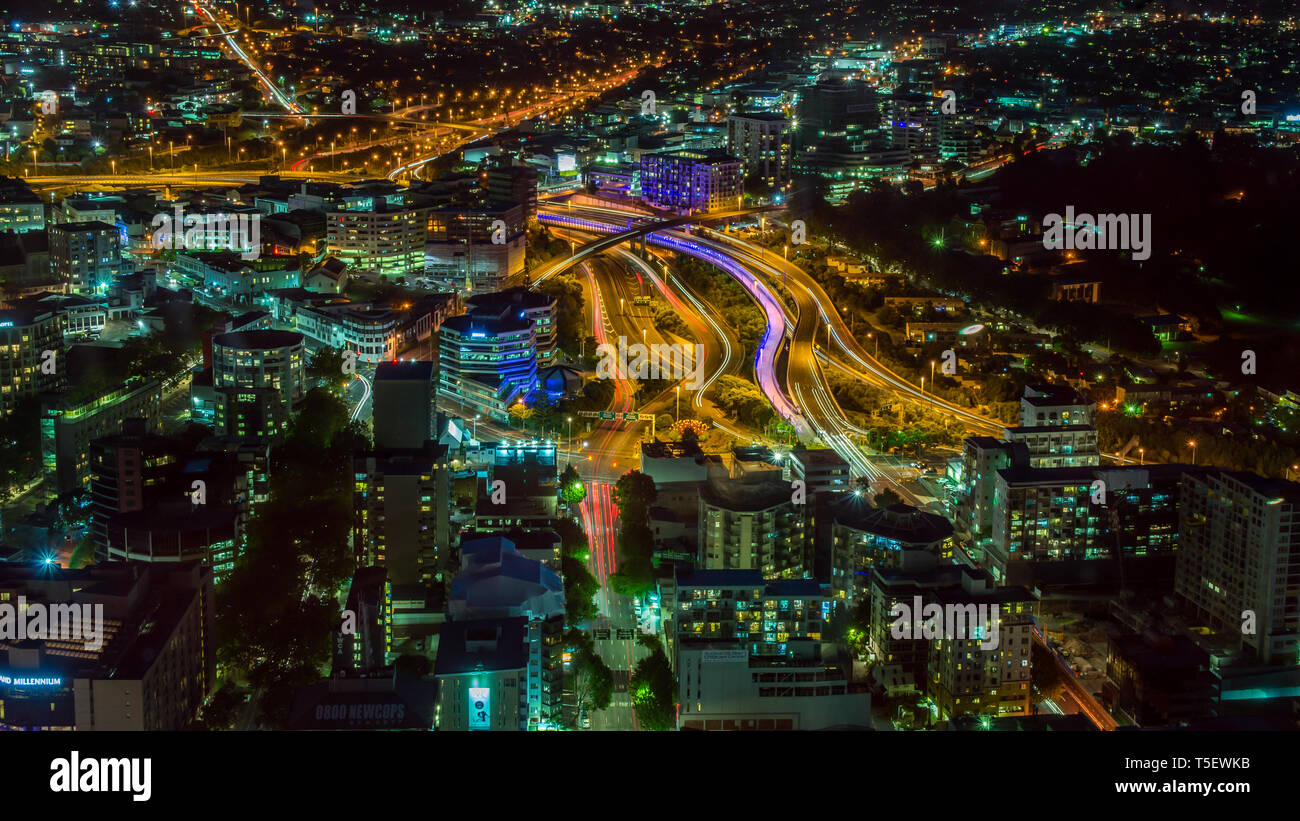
228, 276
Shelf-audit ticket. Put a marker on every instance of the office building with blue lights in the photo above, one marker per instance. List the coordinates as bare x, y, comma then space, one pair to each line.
692, 180
487, 363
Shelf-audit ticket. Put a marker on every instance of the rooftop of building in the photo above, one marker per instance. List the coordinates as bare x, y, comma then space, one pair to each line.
766, 116
402, 461
707, 155
16, 190
258, 340
1027, 429
753, 453
87, 225
687, 577
1159, 653
26, 313
485, 326
381, 701
1023, 474
482, 645
818, 457
232, 263
791, 588
902, 523
670, 450
302, 295
746, 496
1269, 487
497, 579
520, 297
155, 596
412, 371
1048, 395
795, 588
521, 538
244, 319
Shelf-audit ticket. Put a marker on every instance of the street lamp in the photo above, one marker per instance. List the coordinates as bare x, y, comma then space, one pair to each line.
1142, 456
568, 454
677, 412
932, 373
923, 385
476, 416
1191, 443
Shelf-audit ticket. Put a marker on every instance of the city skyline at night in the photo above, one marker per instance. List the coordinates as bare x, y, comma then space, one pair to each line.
508, 365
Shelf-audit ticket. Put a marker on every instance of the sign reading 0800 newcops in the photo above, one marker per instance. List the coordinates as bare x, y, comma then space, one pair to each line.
480, 708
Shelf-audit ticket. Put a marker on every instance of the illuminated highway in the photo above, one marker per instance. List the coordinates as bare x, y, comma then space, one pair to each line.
769, 347
810, 405
271, 88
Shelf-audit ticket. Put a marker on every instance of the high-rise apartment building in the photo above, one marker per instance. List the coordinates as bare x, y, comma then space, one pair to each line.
477, 250
258, 378
1240, 554
364, 642
752, 525
21, 210
762, 140
1084, 525
514, 184
26, 369
85, 256
864, 537
401, 507
967, 670
747, 654
69, 424
403, 404
155, 662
